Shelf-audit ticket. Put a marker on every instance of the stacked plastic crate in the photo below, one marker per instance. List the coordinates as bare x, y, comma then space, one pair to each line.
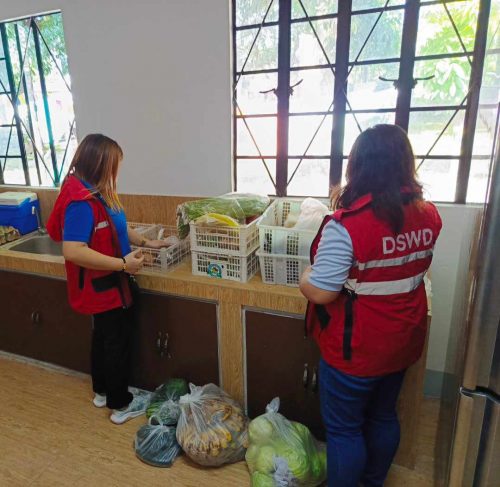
225, 252
284, 252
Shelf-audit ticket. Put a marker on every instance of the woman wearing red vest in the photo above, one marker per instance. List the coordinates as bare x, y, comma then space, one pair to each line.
89, 219
367, 302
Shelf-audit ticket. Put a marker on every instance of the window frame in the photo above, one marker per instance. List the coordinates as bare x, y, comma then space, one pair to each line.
27, 129
342, 66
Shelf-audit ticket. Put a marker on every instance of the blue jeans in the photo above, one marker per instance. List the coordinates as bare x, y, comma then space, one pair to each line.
361, 424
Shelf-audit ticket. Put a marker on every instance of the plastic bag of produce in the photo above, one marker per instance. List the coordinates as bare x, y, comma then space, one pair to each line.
156, 444
284, 453
240, 207
312, 213
164, 402
212, 428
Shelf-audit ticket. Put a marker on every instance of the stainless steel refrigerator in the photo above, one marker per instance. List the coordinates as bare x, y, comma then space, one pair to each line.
475, 449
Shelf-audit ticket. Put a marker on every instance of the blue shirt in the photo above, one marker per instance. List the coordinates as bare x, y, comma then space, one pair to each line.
334, 258
79, 223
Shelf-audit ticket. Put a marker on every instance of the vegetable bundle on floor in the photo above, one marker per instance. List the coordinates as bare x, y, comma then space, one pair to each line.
284, 453
212, 428
156, 442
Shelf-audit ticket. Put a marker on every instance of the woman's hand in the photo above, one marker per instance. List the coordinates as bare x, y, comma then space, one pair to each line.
156, 244
134, 262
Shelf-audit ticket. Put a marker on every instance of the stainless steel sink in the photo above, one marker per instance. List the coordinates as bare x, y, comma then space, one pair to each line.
38, 244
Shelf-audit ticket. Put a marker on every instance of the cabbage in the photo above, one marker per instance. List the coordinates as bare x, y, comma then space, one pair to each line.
298, 462
262, 480
316, 466
265, 460
260, 430
323, 459
284, 453
252, 454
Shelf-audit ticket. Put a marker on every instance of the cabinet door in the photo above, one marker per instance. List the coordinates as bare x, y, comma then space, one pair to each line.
40, 324
17, 299
282, 362
176, 337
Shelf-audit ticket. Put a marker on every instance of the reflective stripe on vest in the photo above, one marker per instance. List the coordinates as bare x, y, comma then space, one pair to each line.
386, 288
371, 264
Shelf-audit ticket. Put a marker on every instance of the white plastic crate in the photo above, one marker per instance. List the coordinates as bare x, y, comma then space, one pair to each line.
282, 269
232, 267
275, 238
240, 241
161, 260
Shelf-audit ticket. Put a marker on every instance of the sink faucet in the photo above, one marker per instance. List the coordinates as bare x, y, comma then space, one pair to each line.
36, 211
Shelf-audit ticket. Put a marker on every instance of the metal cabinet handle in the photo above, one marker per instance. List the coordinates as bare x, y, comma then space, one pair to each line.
305, 376
159, 348
35, 317
314, 384
165, 345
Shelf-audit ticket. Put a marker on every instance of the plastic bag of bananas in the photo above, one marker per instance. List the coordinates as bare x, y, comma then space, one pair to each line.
212, 428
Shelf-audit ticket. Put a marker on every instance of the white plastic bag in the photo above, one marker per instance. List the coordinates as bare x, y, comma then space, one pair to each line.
156, 443
312, 213
283, 453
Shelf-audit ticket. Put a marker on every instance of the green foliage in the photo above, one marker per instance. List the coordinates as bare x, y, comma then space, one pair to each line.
51, 28
451, 76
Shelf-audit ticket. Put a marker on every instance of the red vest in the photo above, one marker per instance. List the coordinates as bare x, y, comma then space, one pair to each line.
91, 291
378, 323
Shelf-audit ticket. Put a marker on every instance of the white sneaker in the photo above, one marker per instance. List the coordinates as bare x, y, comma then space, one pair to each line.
136, 408
99, 400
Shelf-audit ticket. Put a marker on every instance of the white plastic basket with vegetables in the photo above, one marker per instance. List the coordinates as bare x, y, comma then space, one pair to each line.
212, 428
283, 452
225, 225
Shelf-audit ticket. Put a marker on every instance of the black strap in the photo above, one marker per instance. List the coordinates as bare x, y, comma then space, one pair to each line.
81, 278
348, 323
323, 316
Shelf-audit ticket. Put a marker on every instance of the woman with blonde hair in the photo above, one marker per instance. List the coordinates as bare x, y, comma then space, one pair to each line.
89, 219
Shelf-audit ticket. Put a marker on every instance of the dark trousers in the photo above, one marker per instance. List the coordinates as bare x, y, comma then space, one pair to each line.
361, 424
111, 355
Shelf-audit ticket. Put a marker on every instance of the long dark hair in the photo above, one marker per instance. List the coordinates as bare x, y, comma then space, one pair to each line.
382, 163
96, 161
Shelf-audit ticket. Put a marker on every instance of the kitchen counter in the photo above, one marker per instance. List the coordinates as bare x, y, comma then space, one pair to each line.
232, 298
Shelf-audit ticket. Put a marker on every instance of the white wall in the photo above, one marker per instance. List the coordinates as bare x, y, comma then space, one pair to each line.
449, 276
156, 76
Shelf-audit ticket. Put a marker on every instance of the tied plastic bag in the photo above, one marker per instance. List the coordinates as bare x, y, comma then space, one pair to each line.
312, 213
240, 207
212, 428
164, 402
283, 453
156, 444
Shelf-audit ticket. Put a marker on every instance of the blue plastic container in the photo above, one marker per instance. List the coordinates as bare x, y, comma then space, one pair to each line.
20, 216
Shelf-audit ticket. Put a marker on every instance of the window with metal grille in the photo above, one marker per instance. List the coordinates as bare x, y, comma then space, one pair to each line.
310, 75
37, 122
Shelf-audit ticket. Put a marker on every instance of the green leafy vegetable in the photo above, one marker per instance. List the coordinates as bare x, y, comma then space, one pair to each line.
237, 206
164, 402
262, 480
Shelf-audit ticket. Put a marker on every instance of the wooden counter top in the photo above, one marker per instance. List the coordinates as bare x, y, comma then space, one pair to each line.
179, 282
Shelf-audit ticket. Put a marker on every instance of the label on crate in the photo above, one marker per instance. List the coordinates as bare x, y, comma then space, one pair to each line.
217, 269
